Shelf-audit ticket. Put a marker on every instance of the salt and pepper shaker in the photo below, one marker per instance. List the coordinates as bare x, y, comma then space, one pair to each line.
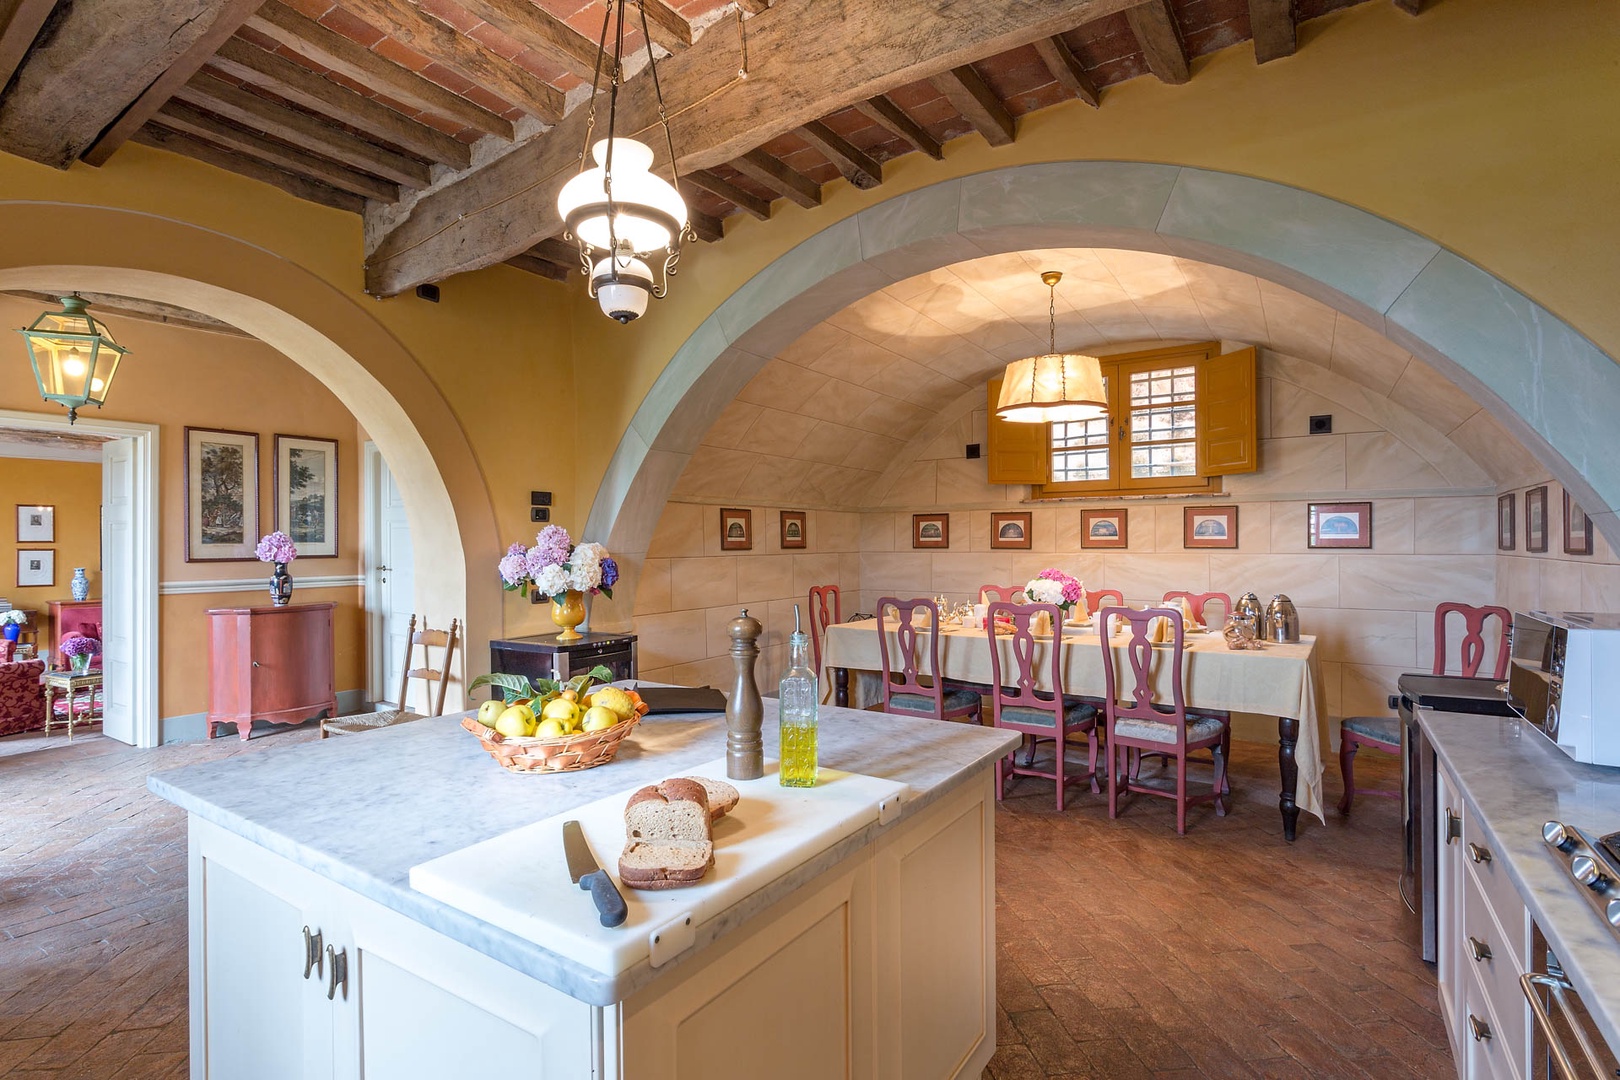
745, 712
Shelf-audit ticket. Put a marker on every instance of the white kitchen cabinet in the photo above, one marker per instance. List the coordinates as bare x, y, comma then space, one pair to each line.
1448, 890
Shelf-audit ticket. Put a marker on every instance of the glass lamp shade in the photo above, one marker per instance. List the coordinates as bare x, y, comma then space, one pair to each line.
648, 213
1053, 388
73, 355
623, 286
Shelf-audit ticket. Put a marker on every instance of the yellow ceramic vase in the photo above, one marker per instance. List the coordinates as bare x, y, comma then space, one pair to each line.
569, 614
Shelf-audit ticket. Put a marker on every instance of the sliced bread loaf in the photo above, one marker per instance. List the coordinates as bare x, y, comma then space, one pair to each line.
667, 838
723, 798
665, 864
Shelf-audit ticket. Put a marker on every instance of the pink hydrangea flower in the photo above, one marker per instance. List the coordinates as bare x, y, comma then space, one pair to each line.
276, 548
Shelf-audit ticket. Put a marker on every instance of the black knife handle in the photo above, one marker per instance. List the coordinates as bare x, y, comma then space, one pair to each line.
606, 896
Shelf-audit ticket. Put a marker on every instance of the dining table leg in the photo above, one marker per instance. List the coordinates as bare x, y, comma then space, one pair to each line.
1287, 738
841, 687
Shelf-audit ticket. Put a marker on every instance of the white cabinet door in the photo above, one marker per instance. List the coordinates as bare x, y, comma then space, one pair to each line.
1449, 969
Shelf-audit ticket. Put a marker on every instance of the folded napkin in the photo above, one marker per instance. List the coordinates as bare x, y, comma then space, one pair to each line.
1187, 620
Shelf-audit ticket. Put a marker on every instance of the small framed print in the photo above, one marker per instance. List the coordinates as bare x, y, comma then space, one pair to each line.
35, 568
736, 530
222, 495
306, 478
1577, 529
1209, 527
1010, 530
930, 530
36, 524
794, 530
1104, 529
1535, 519
1340, 525
1507, 518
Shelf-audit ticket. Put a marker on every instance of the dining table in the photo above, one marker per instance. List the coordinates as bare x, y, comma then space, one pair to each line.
1281, 679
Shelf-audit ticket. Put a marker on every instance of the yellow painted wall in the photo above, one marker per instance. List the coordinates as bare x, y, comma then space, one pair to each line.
74, 489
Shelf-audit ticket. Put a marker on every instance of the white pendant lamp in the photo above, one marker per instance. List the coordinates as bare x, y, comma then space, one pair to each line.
620, 211
1056, 386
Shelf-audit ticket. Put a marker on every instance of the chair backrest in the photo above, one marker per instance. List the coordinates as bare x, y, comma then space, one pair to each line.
1017, 686
1007, 594
1473, 642
1095, 598
428, 639
826, 608
1139, 654
1197, 600
906, 677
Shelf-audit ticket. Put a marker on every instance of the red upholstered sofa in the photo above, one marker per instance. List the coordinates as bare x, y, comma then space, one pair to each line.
22, 697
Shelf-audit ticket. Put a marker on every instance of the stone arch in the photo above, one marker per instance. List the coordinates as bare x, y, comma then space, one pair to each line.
319, 328
1537, 375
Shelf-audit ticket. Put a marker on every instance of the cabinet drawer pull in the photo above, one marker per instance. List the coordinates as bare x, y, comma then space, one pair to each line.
255, 663
337, 971
1480, 1029
1479, 854
1453, 825
1478, 949
312, 952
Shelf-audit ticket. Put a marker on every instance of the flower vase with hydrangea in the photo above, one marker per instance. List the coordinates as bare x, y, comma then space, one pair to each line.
564, 571
278, 548
1053, 586
79, 650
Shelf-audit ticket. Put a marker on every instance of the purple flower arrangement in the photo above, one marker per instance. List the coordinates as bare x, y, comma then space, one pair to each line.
1053, 586
276, 548
81, 646
556, 566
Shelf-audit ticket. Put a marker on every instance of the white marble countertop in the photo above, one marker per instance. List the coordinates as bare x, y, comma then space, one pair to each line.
1516, 781
361, 810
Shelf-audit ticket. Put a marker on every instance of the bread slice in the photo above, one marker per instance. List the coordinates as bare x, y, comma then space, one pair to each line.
666, 864
723, 798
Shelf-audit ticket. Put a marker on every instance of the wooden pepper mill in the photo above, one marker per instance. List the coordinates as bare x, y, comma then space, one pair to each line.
745, 712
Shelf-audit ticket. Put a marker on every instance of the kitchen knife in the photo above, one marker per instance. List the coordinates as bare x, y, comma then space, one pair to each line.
587, 874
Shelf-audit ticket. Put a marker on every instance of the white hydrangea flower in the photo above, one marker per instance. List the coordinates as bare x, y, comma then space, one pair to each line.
1044, 591
552, 580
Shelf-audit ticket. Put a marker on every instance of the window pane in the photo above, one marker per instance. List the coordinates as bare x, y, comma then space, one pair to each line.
1177, 459
1075, 465
1159, 425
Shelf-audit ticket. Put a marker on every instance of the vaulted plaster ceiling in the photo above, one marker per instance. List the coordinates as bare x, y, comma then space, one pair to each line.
830, 414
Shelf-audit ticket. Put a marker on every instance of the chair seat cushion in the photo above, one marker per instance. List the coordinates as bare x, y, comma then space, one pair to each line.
1386, 729
1024, 716
1153, 731
919, 703
354, 725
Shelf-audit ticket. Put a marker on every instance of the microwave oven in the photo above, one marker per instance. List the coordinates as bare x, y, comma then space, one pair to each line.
1565, 680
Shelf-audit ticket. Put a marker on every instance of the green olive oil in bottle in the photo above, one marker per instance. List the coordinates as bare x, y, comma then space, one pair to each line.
796, 698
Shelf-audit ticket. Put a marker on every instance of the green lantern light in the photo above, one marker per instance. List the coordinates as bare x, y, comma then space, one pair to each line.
74, 356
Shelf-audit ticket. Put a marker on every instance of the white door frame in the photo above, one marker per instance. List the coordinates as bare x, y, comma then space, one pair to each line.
144, 512
371, 458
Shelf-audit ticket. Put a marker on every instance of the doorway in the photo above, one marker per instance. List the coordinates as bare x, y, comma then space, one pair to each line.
390, 575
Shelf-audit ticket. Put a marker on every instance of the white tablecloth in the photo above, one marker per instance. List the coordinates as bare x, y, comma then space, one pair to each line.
1278, 680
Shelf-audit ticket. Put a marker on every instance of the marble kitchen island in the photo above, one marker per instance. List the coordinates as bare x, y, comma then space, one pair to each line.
311, 954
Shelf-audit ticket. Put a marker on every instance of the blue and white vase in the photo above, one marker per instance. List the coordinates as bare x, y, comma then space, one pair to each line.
80, 584
281, 586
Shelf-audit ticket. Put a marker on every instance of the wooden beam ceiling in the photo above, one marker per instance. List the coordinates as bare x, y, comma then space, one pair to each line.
1067, 69
1272, 24
730, 192
129, 307
20, 24
298, 186
1154, 25
764, 169
858, 167
534, 27
977, 103
667, 26
542, 267
886, 114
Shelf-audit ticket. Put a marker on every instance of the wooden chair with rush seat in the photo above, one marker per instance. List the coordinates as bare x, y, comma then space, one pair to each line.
908, 688
1384, 732
437, 680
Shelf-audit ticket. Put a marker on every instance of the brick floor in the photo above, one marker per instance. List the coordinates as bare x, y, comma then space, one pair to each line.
1125, 952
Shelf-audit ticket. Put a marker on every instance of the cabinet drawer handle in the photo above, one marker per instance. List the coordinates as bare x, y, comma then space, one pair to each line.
1559, 1056
337, 971
255, 663
1479, 854
312, 952
1481, 1030
1478, 949
1453, 826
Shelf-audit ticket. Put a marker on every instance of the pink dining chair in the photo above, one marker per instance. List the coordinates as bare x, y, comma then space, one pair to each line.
1007, 594
1142, 727
826, 609
908, 690
1018, 705
1095, 598
1384, 732
1197, 600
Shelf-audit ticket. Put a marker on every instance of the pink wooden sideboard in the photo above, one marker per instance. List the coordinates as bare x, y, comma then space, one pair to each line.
269, 663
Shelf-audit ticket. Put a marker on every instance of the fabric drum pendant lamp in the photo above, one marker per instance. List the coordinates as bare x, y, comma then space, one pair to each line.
1054, 387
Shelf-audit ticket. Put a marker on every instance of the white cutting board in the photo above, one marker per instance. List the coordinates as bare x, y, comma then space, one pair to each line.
519, 880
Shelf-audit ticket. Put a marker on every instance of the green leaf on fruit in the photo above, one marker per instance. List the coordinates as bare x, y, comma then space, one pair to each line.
512, 687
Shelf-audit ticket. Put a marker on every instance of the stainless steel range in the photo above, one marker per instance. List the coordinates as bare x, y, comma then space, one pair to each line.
1594, 863
1568, 1044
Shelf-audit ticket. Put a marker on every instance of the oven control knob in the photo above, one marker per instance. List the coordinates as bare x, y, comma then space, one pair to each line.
1612, 913
1585, 870
1556, 835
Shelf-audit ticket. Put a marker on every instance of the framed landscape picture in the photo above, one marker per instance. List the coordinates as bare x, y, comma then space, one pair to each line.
306, 479
1104, 529
36, 524
1506, 522
930, 530
35, 568
1577, 529
222, 495
1010, 530
1535, 519
1340, 525
736, 530
1209, 527
795, 530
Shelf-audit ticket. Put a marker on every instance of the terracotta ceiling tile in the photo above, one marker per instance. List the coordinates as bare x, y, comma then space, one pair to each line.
407, 58
352, 27
490, 102
311, 9
439, 123
540, 65
497, 42
447, 78
447, 11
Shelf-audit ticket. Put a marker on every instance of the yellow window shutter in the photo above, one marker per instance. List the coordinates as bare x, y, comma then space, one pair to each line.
1016, 453
1228, 415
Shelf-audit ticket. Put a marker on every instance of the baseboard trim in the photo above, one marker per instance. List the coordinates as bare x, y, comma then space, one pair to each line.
193, 727
258, 584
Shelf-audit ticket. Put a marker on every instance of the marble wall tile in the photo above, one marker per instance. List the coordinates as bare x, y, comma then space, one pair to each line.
877, 532
1416, 582
978, 530
1366, 356
915, 485
675, 637
958, 576
849, 571
827, 443
1352, 636
1141, 527
1465, 525
1380, 461
1254, 527
896, 573
833, 484
1518, 582
1146, 577
1433, 397
812, 263
1066, 528
1169, 526
1483, 438
1308, 580
1296, 324
764, 577
775, 431
1043, 529
1289, 527
770, 477
815, 343
716, 619
1315, 463
837, 400
1600, 588
730, 428
1098, 192
679, 531
1364, 689
891, 416
960, 480
702, 582
1394, 523
1292, 407
652, 590
835, 530
714, 473
714, 671
1561, 585
871, 451
780, 385
811, 570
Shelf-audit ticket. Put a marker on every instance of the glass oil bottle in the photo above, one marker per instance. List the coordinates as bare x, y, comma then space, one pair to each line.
796, 697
